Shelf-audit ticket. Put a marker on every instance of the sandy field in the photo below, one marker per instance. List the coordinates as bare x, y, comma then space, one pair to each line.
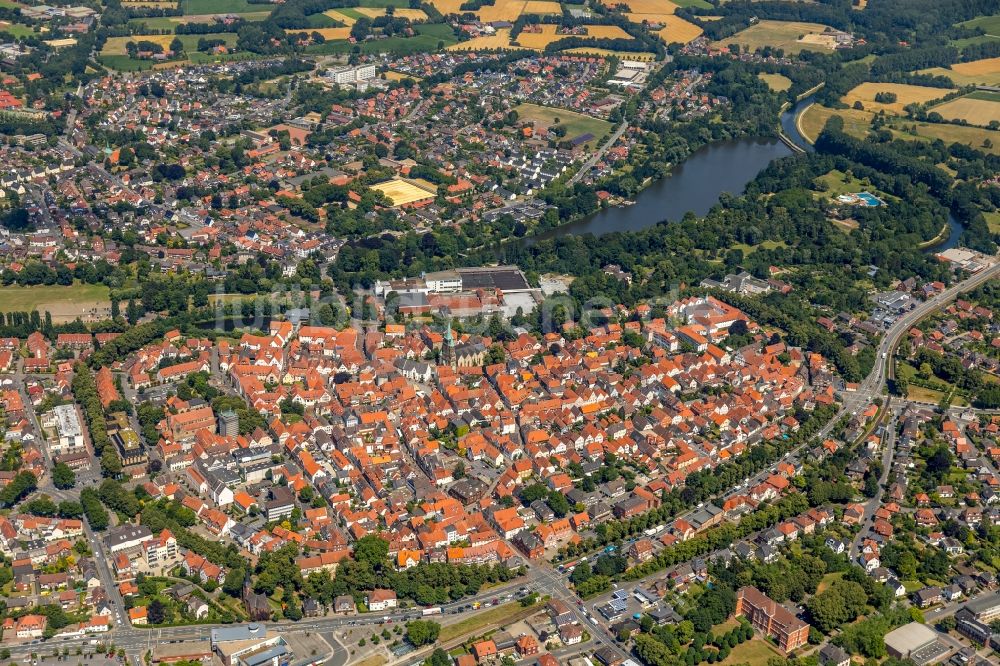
403, 192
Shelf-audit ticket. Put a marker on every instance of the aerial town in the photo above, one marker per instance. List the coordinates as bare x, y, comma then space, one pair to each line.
499, 333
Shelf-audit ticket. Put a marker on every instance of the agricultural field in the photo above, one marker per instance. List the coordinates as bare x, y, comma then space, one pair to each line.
219, 7
401, 12
977, 108
547, 35
171, 22
676, 29
576, 124
586, 50
499, 40
905, 94
329, 34
813, 119
150, 4
776, 82
403, 192
858, 123
115, 46
984, 72
787, 35
646, 6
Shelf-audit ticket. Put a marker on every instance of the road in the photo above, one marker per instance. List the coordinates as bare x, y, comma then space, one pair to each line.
888, 450
598, 154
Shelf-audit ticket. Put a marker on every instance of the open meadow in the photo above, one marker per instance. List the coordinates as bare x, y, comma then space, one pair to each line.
776, 82
576, 124
787, 35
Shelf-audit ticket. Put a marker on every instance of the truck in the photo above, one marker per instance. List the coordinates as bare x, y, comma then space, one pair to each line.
434, 610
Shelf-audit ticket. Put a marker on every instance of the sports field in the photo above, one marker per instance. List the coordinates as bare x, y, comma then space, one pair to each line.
403, 192
776, 82
905, 94
576, 124
87, 301
978, 108
984, 72
787, 35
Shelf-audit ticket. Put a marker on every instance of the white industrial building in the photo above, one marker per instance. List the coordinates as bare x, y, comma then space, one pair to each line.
351, 74
68, 429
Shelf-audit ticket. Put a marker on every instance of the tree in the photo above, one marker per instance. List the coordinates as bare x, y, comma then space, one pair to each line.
156, 612
438, 658
422, 632
233, 584
63, 476
371, 549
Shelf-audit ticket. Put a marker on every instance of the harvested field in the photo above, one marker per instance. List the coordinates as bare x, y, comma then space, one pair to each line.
787, 35
328, 34
116, 45
813, 119
644, 6
975, 109
677, 29
401, 12
984, 72
547, 35
501, 40
905, 94
450, 6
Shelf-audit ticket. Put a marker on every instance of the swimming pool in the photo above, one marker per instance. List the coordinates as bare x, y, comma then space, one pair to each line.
869, 199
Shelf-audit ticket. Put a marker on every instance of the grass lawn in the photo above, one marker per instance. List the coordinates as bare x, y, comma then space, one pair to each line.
932, 396
16, 29
912, 585
756, 652
836, 184
220, 6
829, 580
123, 63
496, 615
322, 21
993, 220
764, 245
725, 627
576, 124
41, 297
776, 82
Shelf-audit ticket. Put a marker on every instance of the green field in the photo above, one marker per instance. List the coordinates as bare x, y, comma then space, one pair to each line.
701, 4
322, 21
18, 30
220, 7
52, 297
756, 652
429, 36
171, 22
993, 220
576, 124
985, 95
989, 24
